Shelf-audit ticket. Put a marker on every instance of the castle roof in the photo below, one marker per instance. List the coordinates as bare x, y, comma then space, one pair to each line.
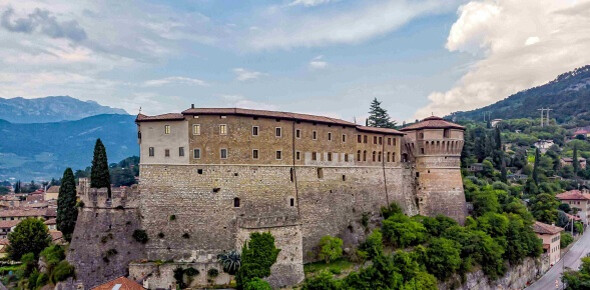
573, 195
121, 283
53, 189
433, 122
263, 114
542, 228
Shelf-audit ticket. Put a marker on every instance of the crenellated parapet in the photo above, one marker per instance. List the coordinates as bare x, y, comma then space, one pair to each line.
120, 197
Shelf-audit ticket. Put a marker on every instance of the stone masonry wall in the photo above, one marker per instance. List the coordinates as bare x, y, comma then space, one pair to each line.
102, 244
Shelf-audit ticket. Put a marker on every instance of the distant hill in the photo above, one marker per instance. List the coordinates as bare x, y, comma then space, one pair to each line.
568, 95
43, 150
51, 109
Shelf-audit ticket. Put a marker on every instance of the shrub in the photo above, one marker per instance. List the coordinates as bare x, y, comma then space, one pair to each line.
230, 261
390, 210
191, 272
257, 284
32, 281
179, 277
322, 281
565, 240
330, 248
62, 271
401, 231
373, 245
42, 280
140, 236
258, 255
29, 236
213, 273
442, 257
53, 255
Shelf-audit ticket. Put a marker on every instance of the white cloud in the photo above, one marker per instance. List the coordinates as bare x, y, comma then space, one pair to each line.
357, 23
175, 80
238, 101
502, 33
309, 3
318, 62
243, 74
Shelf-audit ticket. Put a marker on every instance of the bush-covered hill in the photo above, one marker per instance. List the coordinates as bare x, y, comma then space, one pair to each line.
568, 95
43, 150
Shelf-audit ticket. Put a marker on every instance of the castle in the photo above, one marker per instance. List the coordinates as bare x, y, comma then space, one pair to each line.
211, 176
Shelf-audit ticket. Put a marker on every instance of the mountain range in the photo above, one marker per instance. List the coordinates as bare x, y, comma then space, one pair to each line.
51, 109
568, 97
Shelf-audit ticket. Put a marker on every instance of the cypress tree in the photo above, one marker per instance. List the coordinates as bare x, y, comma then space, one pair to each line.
378, 117
536, 167
99, 174
575, 161
67, 213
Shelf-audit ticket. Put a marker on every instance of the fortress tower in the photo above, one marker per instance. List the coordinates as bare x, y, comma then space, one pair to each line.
434, 145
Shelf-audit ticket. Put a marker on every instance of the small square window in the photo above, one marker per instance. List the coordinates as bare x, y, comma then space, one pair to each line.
197, 129
314, 156
166, 129
167, 152
298, 155
298, 133
196, 153
223, 129
279, 155
151, 151
223, 153
255, 154
278, 131
255, 130
314, 135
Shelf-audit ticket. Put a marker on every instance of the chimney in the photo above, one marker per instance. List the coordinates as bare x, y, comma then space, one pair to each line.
192, 106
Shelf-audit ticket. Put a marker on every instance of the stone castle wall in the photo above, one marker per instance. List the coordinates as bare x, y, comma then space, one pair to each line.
102, 244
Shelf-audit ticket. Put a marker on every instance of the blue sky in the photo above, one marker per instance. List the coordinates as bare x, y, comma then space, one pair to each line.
329, 57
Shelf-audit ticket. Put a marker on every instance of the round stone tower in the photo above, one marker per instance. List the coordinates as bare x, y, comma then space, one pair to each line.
434, 147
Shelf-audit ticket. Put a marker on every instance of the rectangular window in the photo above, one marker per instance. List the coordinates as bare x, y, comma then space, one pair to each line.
278, 132
166, 129
298, 133
314, 156
365, 139
180, 151
197, 129
359, 138
329, 136
196, 153
343, 138
388, 141
345, 157
394, 141
314, 135
320, 173
255, 154
223, 129
298, 155
329, 156
151, 151
292, 202
223, 153
255, 130
279, 155
380, 140
374, 139
167, 152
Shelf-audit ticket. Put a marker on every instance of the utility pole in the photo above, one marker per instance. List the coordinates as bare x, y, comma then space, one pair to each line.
548, 115
542, 110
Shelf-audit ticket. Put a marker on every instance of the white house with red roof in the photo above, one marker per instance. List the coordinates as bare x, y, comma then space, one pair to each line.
551, 236
579, 202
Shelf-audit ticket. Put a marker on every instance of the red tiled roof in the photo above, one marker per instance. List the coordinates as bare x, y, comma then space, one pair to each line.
53, 189
573, 195
379, 130
433, 122
8, 224
163, 117
569, 216
51, 222
4, 242
125, 284
23, 212
542, 228
266, 114
56, 235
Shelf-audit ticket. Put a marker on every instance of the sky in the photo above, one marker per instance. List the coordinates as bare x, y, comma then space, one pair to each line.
326, 57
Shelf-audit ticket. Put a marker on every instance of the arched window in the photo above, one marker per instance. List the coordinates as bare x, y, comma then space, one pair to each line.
236, 202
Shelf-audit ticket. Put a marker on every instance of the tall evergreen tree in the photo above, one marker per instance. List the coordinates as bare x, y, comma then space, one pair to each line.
575, 161
378, 117
67, 213
17, 188
503, 171
99, 174
536, 167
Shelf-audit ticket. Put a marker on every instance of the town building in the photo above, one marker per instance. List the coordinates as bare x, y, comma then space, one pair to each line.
52, 193
544, 145
584, 131
121, 283
551, 236
579, 202
495, 122
6, 227
476, 167
27, 212
570, 161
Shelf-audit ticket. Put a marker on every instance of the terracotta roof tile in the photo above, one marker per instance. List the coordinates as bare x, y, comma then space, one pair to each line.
433, 122
122, 283
163, 117
267, 114
573, 195
379, 130
23, 212
53, 189
56, 235
542, 228
8, 224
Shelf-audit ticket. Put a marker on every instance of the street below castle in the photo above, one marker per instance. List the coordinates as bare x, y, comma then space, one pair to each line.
552, 279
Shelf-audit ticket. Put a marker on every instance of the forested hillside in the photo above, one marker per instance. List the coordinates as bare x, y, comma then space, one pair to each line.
568, 96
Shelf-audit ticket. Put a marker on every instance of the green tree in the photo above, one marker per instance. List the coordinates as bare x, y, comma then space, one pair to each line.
578, 280
99, 175
536, 167
443, 257
488, 168
401, 231
378, 117
373, 245
322, 281
575, 161
29, 236
544, 208
484, 202
258, 255
67, 212
330, 248
259, 284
